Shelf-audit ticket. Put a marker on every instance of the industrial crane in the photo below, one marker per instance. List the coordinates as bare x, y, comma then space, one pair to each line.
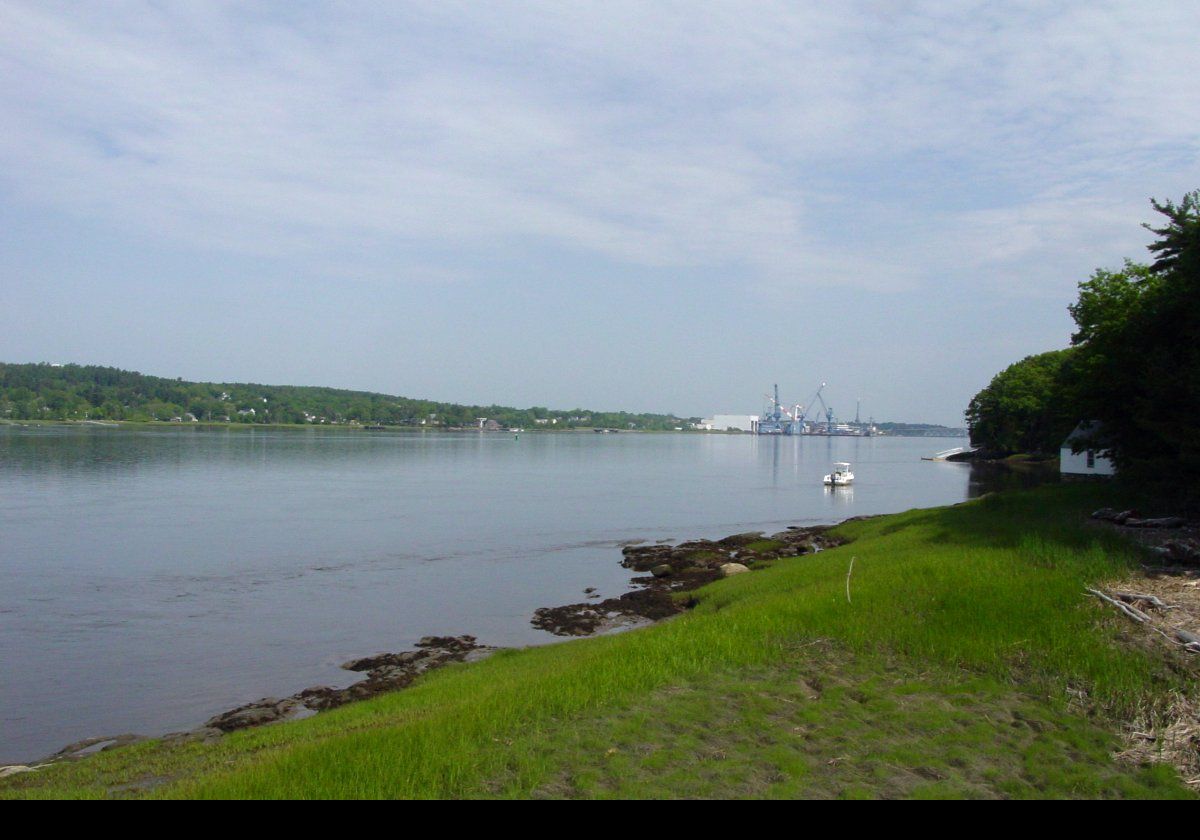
815, 398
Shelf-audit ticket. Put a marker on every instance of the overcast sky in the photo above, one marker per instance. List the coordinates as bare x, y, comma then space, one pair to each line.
649, 206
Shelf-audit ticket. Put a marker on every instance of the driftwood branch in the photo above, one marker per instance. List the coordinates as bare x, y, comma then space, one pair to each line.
1188, 640
1138, 597
1129, 611
849, 572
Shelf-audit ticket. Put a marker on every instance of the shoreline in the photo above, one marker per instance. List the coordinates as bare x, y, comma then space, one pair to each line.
211, 425
674, 569
669, 570
960, 696
94, 706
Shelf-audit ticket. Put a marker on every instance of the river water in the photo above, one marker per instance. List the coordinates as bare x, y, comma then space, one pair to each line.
151, 578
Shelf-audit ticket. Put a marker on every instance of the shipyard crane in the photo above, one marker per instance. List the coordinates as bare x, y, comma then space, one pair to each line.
775, 413
776, 419
815, 398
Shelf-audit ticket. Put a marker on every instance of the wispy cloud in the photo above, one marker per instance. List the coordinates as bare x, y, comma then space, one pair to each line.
782, 140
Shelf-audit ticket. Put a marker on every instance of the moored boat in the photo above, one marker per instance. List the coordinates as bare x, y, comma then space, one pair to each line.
841, 475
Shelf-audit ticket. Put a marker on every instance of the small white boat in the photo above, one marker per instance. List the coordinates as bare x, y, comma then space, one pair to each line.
841, 475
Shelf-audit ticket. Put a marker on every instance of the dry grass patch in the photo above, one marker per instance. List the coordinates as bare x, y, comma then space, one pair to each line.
1169, 735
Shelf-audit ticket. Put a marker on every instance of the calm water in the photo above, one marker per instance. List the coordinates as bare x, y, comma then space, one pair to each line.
151, 578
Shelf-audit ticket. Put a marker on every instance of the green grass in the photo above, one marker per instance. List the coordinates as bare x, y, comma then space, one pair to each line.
960, 618
834, 725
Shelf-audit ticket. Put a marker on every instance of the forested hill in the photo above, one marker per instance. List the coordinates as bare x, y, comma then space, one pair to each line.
87, 392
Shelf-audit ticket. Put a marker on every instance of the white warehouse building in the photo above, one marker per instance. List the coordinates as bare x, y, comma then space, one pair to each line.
740, 422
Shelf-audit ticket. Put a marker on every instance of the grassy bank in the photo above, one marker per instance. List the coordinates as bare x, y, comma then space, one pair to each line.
966, 662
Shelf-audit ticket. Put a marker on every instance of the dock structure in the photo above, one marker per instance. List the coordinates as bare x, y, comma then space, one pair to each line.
948, 453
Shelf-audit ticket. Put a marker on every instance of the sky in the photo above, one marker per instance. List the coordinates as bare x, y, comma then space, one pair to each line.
649, 206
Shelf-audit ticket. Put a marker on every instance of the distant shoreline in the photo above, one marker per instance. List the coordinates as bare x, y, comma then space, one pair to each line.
208, 424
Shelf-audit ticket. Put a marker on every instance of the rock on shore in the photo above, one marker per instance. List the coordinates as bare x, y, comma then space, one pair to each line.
385, 672
675, 569
1173, 539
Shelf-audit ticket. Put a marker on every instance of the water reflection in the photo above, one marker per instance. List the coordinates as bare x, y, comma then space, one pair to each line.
68, 449
841, 496
987, 477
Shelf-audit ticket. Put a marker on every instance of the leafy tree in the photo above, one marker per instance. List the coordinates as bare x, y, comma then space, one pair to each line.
1139, 358
1178, 245
1107, 300
1026, 407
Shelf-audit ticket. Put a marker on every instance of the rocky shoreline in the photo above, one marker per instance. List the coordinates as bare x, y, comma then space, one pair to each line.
668, 570
384, 672
676, 569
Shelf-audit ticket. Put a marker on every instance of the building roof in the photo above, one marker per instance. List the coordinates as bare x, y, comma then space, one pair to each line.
1088, 431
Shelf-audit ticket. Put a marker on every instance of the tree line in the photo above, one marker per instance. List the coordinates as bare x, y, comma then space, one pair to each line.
1133, 365
88, 392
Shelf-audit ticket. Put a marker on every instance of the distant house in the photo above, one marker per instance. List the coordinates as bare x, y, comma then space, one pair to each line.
1085, 462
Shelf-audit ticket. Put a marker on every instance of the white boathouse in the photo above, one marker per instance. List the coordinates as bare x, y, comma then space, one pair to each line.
1086, 462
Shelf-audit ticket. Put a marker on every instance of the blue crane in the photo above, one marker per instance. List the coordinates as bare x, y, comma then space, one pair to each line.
815, 398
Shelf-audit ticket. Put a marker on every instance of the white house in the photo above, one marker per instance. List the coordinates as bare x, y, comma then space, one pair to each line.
1086, 462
